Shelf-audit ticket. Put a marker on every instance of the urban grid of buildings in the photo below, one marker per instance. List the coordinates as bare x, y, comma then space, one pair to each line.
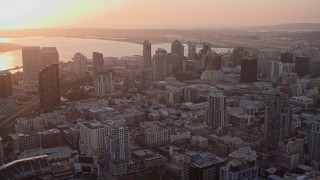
200, 113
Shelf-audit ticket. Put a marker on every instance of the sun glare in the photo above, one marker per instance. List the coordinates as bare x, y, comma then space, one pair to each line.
50, 13
4, 40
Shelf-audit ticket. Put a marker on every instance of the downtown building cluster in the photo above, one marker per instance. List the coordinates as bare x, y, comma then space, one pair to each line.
204, 113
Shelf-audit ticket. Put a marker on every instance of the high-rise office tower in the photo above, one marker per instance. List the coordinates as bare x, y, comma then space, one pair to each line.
103, 84
286, 57
238, 54
160, 65
49, 88
79, 66
147, 53
192, 50
274, 69
97, 62
249, 67
178, 48
117, 147
130, 80
146, 78
31, 62
5, 84
278, 119
302, 65
48, 56
314, 149
216, 110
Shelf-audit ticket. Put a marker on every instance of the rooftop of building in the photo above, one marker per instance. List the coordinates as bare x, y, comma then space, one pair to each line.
31, 48
205, 159
49, 50
94, 124
145, 154
51, 153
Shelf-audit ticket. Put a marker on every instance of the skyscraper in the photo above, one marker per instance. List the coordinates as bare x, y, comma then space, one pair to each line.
147, 53
31, 62
48, 56
130, 80
286, 57
216, 110
117, 147
98, 63
103, 84
160, 65
314, 150
79, 66
249, 67
302, 65
49, 88
278, 119
146, 78
192, 50
178, 48
5, 84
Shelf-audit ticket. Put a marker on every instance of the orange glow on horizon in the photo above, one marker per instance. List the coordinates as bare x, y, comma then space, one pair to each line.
154, 13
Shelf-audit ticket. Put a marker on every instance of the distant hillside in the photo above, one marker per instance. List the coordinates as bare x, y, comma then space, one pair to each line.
291, 27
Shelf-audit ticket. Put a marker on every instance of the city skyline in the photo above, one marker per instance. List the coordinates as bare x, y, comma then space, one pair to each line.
137, 14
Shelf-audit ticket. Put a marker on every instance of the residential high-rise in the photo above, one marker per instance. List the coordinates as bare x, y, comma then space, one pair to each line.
79, 66
314, 145
48, 56
49, 88
249, 67
277, 122
103, 84
97, 62
216, 110
130, 80
192, 50
290, 153
5, 84
147, 53
146, 78
242, 164
160, 65
117, 148
178, 48
92, 138
302, 65
31, 62
286, 57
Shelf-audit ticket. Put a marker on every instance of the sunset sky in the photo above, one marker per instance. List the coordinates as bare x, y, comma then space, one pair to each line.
155, 13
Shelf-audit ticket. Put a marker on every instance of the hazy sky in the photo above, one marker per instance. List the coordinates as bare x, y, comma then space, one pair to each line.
155, 13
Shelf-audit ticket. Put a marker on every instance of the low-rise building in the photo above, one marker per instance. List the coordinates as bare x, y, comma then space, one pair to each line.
241, 165
199, 141
179, 134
